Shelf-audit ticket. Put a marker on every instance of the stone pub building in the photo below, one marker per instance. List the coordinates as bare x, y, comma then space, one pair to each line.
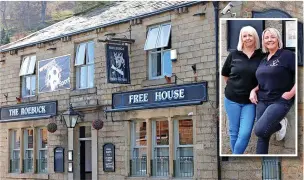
148, 71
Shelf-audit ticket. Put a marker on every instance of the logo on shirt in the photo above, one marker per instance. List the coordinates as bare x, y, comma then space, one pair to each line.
275, 63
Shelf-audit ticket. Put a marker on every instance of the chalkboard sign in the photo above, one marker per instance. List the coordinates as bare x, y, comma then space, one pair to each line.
109, 157
59, 159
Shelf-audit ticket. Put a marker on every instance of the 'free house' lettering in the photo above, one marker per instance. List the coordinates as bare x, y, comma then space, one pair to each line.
159, 96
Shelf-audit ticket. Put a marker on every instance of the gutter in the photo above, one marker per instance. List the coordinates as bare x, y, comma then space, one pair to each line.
105, 25
216, 21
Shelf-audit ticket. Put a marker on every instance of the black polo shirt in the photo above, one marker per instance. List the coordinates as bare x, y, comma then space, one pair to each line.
276, 76
241, 72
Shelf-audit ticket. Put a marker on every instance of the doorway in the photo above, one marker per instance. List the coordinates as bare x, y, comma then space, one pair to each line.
85, 153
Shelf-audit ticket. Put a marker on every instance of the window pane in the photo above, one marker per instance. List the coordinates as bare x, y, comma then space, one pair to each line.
85, 131
33, 85
28, 136
90, 75
24, 66
167, 63
164, 36
152, 38
43, 138
80, 55
16, 139
90, 53
140, 134
156, 64
185, 132
162, 133
83, 77
32, 64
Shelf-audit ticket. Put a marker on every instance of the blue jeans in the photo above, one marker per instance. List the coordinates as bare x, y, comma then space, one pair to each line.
241, 119
269, 115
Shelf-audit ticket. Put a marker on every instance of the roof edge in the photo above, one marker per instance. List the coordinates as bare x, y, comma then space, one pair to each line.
105, 25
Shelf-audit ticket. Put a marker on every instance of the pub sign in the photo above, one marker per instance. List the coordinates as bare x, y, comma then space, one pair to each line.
118, 70
171, 96
28, 111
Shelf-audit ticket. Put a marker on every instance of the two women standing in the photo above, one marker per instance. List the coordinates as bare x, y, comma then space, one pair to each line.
254, 88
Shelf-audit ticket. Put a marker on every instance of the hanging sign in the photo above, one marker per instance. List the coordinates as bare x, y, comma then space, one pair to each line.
118, 69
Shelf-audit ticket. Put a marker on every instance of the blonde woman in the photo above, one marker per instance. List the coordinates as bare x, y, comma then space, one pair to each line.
239, 74
275, 92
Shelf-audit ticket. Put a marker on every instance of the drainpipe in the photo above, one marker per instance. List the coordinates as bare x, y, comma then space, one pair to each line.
216, 21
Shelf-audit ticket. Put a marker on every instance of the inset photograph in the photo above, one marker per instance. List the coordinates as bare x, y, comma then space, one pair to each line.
258, 75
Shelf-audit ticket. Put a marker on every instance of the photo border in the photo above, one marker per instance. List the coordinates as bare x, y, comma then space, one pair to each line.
220, 93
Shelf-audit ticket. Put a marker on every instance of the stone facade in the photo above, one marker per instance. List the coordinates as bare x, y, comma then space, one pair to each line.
194, 39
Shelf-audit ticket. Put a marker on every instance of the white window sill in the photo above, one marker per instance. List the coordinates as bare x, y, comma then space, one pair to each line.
157, 82
78, 92
28, 99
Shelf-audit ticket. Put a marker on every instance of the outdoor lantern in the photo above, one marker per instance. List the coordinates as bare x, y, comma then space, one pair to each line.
173, 54
71, 117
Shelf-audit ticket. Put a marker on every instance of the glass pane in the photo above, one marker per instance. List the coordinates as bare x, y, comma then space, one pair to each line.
162, 133
90, 53
152, 38
28, 135
33, 85
140, 134
16, 154
43, 138
185, 129
91, 75
161, 162
32, 64
85, 131
42, 161
167, 63
42, 154
26, 89
83, 77
164, 36
28, 154
139, 162
156, 64
24, 66
16, 139
80, 55
184, 162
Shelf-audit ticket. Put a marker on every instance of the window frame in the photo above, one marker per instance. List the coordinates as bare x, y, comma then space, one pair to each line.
134, 147
86, 63
177, 145
27, 70
162, 51
13, 135
157, 45
26, 149
39, 149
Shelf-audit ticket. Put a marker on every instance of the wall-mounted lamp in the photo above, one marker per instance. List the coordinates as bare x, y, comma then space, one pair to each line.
173, 54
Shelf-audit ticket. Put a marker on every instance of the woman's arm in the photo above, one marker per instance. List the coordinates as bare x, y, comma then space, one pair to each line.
253, 96
290, 94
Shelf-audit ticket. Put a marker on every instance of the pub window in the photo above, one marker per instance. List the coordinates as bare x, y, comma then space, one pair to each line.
160, 148
28, 150
84, 63
138, 165
158, 45
271, 168
14, 151
183, 142
42, 152
27, 73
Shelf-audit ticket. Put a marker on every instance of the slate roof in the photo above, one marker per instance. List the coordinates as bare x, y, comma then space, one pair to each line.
114, 13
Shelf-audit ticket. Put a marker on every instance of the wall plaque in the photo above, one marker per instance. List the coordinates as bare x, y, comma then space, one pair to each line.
59, 159
109, 157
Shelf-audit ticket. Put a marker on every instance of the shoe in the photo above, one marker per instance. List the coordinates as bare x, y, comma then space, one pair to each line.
282, 132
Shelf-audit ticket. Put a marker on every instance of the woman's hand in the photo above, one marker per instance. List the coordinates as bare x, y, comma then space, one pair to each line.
287, 95
253, 97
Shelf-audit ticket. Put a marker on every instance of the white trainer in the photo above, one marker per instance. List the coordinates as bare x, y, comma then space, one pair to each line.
282, 132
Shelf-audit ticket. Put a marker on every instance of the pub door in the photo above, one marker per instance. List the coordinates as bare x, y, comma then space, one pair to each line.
85, 149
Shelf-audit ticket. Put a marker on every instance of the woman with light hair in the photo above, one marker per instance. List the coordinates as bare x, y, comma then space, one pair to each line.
239, 74
275, 92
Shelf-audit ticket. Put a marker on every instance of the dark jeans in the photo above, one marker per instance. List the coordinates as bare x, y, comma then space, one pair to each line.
269, 114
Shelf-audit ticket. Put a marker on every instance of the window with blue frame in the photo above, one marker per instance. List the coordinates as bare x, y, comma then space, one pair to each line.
158, 45
271, 168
